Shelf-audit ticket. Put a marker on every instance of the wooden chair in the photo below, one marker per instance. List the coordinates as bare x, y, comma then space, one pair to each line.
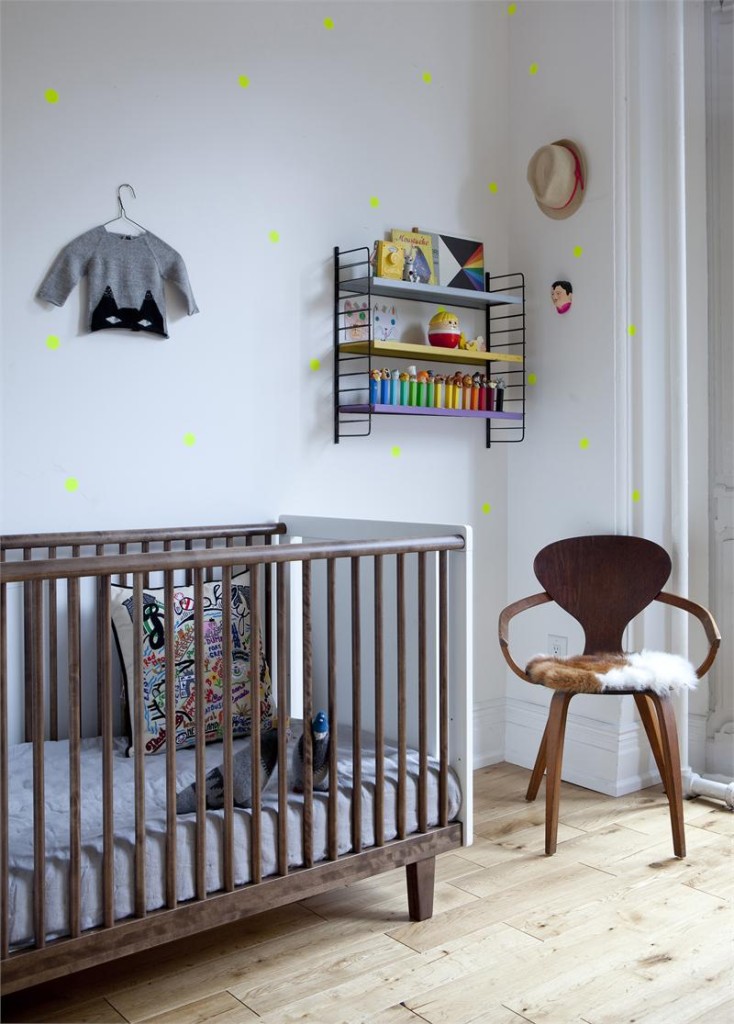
604, 582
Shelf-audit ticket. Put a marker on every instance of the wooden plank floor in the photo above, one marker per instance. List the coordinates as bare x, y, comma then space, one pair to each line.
611, 930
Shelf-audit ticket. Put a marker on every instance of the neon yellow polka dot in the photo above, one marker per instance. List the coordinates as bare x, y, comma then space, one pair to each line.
244, 81
636, 495
395, 451
511, 8
492, 187
274, 236
189, 440
328, 23
486, 508
315, 364
578, 250
533, 69
427, 77
374, 201
51, 96
632, 330
52, 341
532, 378
584, 443
71, 484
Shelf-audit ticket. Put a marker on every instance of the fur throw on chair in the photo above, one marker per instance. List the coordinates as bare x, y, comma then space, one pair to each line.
604, 673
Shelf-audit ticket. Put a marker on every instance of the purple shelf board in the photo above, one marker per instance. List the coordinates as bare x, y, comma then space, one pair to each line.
418, 410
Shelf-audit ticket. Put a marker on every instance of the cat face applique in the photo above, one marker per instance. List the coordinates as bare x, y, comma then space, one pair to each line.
108, 314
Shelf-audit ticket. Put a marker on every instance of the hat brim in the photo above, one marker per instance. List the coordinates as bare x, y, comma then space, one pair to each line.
578, 198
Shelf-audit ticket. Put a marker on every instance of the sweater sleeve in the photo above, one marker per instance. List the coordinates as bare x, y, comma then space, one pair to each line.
172, 268
68, 267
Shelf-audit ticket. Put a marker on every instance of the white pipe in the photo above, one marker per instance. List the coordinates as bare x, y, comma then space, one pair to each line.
696, 785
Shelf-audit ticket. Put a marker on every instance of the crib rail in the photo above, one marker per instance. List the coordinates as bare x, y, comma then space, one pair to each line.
387, 671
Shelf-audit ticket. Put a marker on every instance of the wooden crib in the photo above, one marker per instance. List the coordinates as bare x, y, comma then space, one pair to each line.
375, 631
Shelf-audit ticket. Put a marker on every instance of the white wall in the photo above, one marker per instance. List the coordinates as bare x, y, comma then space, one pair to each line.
149, 94
625, 81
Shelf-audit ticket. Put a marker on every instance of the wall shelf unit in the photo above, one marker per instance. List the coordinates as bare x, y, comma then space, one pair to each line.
503, 302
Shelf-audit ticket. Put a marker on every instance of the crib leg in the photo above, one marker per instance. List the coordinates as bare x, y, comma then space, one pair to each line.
420, 877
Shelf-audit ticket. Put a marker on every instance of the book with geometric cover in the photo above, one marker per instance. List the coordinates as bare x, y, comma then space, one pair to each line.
460, 262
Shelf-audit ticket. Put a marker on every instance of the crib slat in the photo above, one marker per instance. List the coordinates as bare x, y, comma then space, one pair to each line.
333, 840
379, 709
268, 628
98, 584
402, 731
209, 544
4, 924
356, 709
443, 690
307, 716
108, 823
282, 645
227, 727
199, 732
422, 698
53, 657
138, 744
169, 625
39, 803
145, 548
27, 656
256, 816
75, 781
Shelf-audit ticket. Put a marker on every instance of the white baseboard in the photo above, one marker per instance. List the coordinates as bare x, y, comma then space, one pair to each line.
602, 756
489, 732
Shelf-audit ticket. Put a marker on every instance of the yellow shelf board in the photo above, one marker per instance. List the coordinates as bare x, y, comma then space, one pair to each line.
427, 353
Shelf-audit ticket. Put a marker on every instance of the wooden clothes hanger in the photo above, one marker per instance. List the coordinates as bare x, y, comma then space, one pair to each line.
122, 221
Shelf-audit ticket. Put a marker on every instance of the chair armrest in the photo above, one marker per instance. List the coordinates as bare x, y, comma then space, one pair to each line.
706, 619
509, 613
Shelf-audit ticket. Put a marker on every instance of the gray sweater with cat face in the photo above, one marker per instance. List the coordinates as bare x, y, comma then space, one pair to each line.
126, 275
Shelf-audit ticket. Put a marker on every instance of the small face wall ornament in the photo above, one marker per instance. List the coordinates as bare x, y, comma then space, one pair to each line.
562, 296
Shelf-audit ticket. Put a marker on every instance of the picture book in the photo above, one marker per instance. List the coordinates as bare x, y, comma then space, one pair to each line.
460, 262
422, 245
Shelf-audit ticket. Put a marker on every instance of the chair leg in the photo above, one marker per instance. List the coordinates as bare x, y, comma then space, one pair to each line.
556, 730
649, 721
671, 756
539, 770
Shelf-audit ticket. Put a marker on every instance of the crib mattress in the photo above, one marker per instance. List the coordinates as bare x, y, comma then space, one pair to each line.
20, 832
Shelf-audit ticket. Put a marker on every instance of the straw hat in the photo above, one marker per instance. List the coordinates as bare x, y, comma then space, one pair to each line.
557, 177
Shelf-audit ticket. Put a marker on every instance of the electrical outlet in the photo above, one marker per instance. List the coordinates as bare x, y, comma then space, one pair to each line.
557, 645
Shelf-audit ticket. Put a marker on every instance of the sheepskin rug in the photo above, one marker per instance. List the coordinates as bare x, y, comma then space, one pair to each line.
604, 673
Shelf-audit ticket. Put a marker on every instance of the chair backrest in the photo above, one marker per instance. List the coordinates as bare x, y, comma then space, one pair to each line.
603, 581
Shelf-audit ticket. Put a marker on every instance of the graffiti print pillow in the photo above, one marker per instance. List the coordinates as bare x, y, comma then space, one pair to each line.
184, 654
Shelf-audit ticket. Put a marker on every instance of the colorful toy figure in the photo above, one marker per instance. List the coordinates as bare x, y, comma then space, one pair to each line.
395, 387
443, 330
477, 345
385, 387
491, 395
439, 382
413, 386
404, 381
375, 377
409, 271
467, 391
476, 383
483, 393
458, 391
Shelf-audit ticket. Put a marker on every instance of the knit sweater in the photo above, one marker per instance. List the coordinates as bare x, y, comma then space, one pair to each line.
126, 275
